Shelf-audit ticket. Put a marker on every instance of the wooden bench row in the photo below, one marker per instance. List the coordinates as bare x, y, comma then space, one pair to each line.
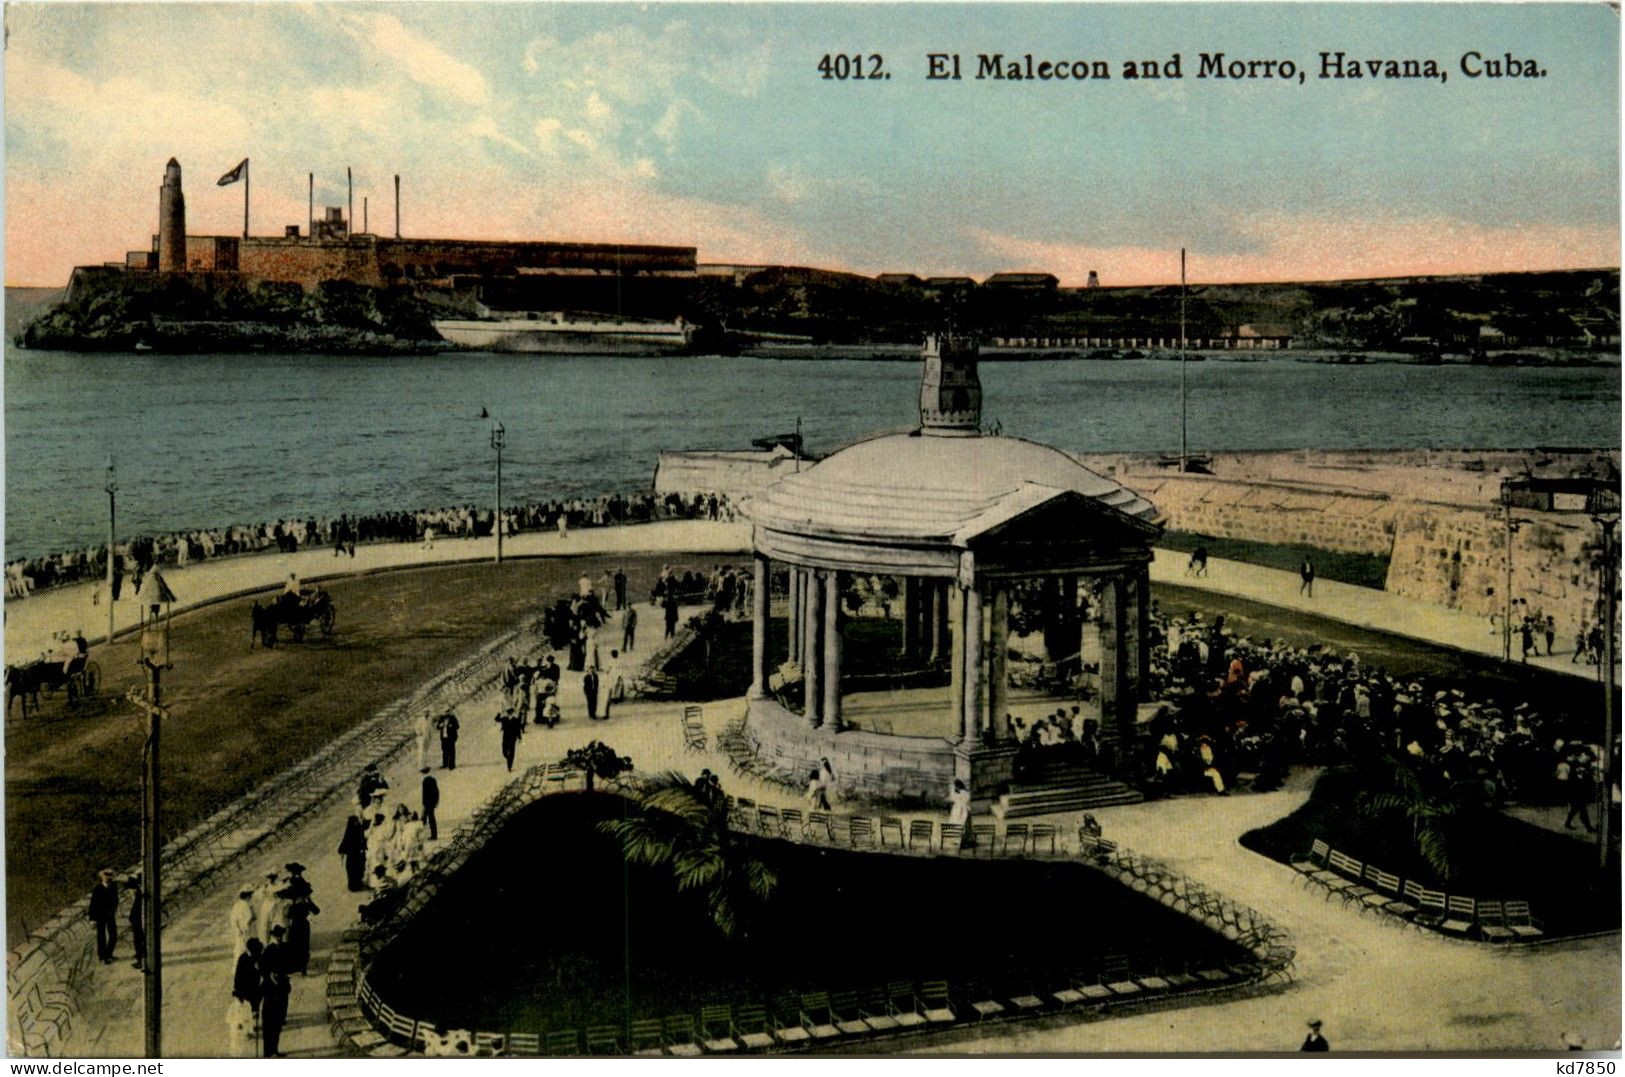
894, 832
1369, 888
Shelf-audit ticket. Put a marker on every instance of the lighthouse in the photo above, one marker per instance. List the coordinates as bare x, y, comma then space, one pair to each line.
171, 221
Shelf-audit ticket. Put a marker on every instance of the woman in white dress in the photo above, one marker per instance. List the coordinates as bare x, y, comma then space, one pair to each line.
959, 804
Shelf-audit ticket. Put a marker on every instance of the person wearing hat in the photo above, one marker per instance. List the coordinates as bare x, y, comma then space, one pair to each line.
104, 914
270, 907
274, 988
243, 920
448, 726
431, 801
353, 849
301, 907
1315, 1042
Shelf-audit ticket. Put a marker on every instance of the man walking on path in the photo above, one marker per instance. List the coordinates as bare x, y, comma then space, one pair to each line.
104, 914
620, 588
513, 727
275, 987
246, 977
1315, 1042
1306, 572
353, 848
448, 726
431, 801
589, 686
670, 604
629, 629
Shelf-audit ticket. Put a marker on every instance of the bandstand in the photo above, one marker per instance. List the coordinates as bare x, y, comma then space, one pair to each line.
960, 520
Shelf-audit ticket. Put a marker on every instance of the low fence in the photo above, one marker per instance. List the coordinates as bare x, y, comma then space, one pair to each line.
50, 972
367, 1024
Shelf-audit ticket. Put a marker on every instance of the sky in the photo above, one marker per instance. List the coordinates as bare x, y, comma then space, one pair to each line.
711, 126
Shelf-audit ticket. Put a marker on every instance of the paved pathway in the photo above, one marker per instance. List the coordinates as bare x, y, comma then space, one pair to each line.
31, 622
1377, 986
198, 957
1365, 607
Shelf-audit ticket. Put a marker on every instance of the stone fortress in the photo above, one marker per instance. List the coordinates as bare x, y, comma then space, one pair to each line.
537, 274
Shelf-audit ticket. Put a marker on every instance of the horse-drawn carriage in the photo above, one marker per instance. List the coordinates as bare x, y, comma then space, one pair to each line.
78, 676
312, 606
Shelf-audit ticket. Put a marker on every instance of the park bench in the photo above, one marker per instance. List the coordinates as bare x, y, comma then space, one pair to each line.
1519, 921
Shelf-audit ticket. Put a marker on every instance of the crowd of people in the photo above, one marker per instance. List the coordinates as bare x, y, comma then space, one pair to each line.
1258, 706
135, 557
1233, 705
270, 941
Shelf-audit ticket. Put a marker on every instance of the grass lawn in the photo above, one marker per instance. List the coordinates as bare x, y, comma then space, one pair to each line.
1504, 859
238, 716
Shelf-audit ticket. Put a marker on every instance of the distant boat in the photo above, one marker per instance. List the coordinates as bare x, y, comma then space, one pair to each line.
565, 333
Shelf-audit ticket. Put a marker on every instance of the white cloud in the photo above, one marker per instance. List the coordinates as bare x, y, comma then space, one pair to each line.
418, 58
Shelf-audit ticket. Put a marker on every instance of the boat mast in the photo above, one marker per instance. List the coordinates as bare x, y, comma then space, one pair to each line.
1184, 454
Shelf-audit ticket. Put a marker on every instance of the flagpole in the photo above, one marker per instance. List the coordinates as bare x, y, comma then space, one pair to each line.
245, 198
1184, 457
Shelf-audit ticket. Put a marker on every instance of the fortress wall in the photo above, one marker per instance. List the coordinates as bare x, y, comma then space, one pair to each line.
1344, 521
1456, 557
308, 264
741, 475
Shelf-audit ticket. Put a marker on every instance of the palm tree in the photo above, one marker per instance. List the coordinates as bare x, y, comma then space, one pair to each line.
683, 826
1436, 814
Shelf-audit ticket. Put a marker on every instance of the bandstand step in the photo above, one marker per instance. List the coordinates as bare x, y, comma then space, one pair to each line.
1051, 797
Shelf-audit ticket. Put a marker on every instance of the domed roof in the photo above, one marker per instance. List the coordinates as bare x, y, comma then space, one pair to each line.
916, 487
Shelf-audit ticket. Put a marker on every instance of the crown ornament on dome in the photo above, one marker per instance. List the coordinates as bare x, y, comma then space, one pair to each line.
950, 391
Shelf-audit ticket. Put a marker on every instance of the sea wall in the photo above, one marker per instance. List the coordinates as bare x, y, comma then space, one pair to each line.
1433, 514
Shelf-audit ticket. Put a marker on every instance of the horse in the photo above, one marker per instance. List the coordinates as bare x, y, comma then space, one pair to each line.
298, 612
80, 677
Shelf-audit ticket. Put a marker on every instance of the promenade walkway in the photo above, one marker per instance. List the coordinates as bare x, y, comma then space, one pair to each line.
30, 622
1364, 607
1378, 986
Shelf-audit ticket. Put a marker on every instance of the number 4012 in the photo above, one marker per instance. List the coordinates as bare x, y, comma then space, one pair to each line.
854, 65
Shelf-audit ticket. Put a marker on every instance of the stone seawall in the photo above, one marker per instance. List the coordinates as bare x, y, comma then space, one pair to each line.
1433, 514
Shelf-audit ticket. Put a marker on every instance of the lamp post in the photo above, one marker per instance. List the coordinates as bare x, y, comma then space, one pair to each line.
1603, 505
156, 602
1512, 529
498, 440
112, 491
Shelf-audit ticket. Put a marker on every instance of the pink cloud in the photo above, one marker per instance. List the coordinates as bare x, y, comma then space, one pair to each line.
1306, 248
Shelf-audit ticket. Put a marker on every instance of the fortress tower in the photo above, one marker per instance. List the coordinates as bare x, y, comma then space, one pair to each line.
950, 391
171, 221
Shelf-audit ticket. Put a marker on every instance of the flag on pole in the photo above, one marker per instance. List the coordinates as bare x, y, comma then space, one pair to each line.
234, 175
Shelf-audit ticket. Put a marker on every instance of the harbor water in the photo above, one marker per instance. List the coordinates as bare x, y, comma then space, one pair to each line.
209, 440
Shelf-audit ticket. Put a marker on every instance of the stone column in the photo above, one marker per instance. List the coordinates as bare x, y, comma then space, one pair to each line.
1143, 634
1115, 697
758, 628
1133, 634
955, 644
809, 646
911, 628
936, 616
998, 645
793, 653
832, 651
971, 649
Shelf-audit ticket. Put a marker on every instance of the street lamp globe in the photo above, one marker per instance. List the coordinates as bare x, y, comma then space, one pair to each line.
157, 603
